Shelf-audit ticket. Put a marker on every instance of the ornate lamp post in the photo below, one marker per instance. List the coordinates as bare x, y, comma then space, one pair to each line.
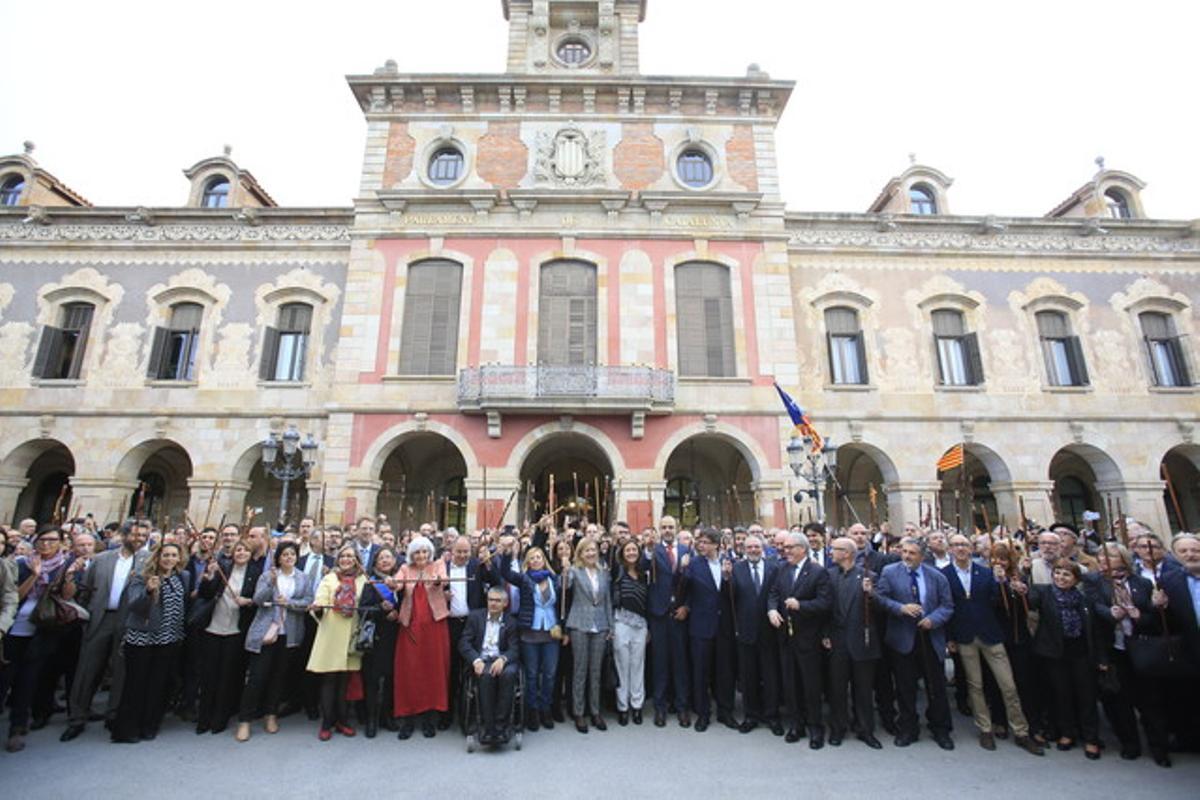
817, 467
289, 468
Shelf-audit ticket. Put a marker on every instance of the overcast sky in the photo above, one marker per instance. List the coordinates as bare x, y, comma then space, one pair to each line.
1013, 100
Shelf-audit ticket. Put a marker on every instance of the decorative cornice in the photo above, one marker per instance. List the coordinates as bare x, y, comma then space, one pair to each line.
25, 232
1051, 243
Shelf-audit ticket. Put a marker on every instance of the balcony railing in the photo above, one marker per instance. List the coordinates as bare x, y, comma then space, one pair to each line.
564, 387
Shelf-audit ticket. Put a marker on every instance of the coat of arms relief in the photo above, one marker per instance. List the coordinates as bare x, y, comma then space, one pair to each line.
570, 157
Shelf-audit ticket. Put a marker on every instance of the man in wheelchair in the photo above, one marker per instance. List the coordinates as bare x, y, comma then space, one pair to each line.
490, 643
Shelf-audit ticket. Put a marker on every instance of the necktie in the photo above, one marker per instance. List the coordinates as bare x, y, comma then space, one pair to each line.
671, 556
916, 588
757, 579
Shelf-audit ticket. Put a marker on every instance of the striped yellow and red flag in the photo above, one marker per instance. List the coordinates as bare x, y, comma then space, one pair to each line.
951, 459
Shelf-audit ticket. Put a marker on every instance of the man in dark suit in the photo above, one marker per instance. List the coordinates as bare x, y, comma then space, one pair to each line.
800, 600
918, 602
1179, 594
491, 645
705, 589
668, 626
873, 561
976, 633
468, 592
853, 641
364, 541
757, 641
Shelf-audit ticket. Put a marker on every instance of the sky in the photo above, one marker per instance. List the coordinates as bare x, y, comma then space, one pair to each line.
1012, 100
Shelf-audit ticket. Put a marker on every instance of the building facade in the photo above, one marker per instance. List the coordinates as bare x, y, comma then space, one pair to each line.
572, 287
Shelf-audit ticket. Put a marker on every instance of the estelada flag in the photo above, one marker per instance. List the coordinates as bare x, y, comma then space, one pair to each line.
951, 459
803, 425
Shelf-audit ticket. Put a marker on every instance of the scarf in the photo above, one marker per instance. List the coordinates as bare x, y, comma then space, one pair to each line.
344, 596
47, 576
1070, 608
538, 575
386, 594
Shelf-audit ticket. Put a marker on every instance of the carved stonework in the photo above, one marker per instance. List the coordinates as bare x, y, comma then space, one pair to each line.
231, 368
570, 157
6, 296
15, 339
1007, 368
969, 241
120, 366
1115, 369
174, 233
900, 367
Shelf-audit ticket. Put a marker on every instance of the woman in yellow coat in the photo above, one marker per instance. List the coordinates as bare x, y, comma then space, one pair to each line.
332, 656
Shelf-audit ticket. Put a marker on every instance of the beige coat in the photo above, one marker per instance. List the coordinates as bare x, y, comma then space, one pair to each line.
331, 649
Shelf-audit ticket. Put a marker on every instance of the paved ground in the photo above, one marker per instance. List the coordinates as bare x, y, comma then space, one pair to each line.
626, 762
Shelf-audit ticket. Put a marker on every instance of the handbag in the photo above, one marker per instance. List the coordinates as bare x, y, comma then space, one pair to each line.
1162, 656
609, 679
51, 610
200, 614
364, 636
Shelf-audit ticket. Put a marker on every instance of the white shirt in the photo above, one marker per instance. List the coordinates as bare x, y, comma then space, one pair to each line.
458, 594
797, 569
285, 585
964, 577
714, 566
491, 639
120, 577
941, 561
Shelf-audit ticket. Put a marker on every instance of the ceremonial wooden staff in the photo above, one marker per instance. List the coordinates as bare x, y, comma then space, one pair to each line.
598, 505
737, 503
1054, 507
321, 508
550, 498
431, 503
504, 510
75, 511
212, 499
140, 506
1112, 521
1166, 476
871, 504
56, 514
920, 503
575, 483
1122, 527
485, 499
1024, 520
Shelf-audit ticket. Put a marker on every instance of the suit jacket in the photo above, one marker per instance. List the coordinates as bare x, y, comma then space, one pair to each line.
815, 594
847, 624
208, 592
751, 606
1101, 592
9, 600
479, 578
97, 584
292, 616
145, 611
974, 616
1048, 640
895, 591
470, 644
665, 585
435, 592
589, 609
703, 599
1181, 614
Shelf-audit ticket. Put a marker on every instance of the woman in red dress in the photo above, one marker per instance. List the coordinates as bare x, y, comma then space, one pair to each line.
422, 668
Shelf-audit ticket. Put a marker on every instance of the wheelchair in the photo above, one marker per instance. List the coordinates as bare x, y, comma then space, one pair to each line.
470, 718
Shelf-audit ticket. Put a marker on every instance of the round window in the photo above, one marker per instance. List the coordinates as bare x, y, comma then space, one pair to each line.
695, 168
574, 52
446, 166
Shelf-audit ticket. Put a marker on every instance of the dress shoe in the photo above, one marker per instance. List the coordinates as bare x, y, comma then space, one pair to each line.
71, 732
388, 723
370, 730
816, 741
1091, 752
776, 728
16, 743
835, 738
271, 723
904, 739
598, 722
345, 730
660, 719
219, 729
792, 736
406, 730
1064, 745
987, 741
945, 742
1029, 745
1130, 754
324, 734
636, 714
729, 722
870, 741
622, 718
747, 726
531, 722
201, 727
243, 732
1000, 732
547, 721
685, 719
428, 730
444, 722
581, 724
1163, 760
701, 724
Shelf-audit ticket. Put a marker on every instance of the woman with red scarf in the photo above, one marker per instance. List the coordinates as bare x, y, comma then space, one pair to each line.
334, 605
422, 669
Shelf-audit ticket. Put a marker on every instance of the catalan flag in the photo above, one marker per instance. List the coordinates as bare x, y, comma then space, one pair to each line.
803, 425
951, 459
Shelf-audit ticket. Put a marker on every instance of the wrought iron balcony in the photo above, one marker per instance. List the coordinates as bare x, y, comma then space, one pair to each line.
562, 388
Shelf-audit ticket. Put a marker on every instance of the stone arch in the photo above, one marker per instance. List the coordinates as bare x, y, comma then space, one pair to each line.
421, 478
32, 477
1082, 473
377, 454
982, 467
709, 480
581, 469
1181, 464
165, 467
529, 441
860, 465
750, 448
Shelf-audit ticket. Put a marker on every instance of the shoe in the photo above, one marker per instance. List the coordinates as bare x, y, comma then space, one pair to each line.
729, 722
388, 723
792, 736
444, 722
904, 739
701, 724
747, 726
776, 728
1163, 760
944, 741
1029, 745
964, 709
1130, 754
344, 730
660, 719
531, 722
598, 722
987, 741
816, 741
72, 732
870, 741
371, 729
835, 738
622, 718
243, 732
201, 727
428, 730
558, 715
1090, 753
547, 721
636, 714
219, 729
1064, 745
685, 719
1000, 732
271, 723
16, 744
581, 724
324, 734
406, 730
39, 722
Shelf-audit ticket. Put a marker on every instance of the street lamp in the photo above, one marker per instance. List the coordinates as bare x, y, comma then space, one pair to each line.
288, 470
816, 466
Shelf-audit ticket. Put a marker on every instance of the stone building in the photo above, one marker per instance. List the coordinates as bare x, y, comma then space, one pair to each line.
572, 283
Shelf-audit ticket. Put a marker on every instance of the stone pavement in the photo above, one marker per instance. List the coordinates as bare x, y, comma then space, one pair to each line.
630, 762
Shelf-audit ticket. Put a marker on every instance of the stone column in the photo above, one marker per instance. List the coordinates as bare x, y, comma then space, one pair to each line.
768, 494
362, 496
1036, 495
10, 493
1141, 500
902, 501
107, 499
641, 502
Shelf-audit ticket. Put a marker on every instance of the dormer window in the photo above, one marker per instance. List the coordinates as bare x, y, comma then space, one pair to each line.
1118, 204
446, 166
216, 194
695, 168
921, 200
574, 52
10, 192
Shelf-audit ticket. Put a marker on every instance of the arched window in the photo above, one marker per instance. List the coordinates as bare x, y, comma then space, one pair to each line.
446, 166
1061, 349
173, 353
847, 356
704, 314
957, 350
695, 168
216, 194
921, 200
1118, 204
567, 314
1168, 366
10, 191
61, 349
429, 335
285, 346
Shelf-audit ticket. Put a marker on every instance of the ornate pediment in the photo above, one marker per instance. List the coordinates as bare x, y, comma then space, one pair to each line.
570, 157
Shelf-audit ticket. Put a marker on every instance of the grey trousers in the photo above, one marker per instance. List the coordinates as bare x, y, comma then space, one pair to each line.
587, 651
629, 653
97, 652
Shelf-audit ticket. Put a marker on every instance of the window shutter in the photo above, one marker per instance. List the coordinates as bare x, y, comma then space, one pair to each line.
158, 350
270, 354
937, 360
567, 314
84, 322
301, 356
1155, 378
833, 375
48, 352
429, 338
1079, 373
1179, 356
414, 345
974, 358
860, 346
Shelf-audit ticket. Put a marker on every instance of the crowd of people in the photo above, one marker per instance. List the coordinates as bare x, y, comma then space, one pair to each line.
824, 635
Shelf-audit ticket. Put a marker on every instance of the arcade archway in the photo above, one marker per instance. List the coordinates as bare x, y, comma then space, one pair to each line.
1181, 470
47, 466
1077, 470
709, 482
422, 480
569, 476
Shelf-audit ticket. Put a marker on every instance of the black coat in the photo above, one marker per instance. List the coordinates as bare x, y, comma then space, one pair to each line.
847, 624
470, 644
751, 606
1048, 641
815, 593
